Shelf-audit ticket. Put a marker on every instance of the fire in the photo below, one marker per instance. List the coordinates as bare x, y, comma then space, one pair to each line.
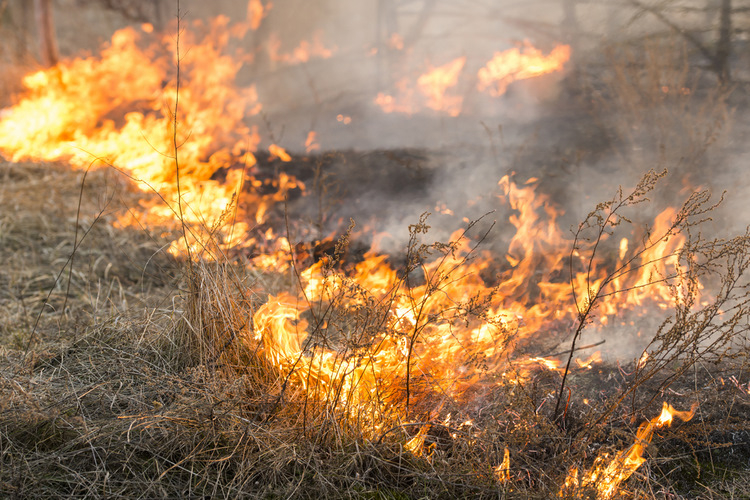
588, 363
519, 64
416, 444
502, 471
402, 102
256, 12
504, 68
642, 361
373, 337
311, 143
304, 52
70, 113
396, 42
279, 152
607, 474
65, 115
437, 81
116, 108
429, 338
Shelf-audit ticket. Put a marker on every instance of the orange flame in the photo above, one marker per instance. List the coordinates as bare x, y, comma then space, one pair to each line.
504, 68
256, 12
446, 347
117, 107
437, 81
311, 143
279, 152
502, 471
588, 363
516, 64
304, 52
396, 42
65, 115
607, 475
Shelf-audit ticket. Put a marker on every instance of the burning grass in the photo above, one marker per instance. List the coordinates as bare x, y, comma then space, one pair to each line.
129, 394
241, 363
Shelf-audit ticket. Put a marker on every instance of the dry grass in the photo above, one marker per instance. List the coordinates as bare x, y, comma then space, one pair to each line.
113, 270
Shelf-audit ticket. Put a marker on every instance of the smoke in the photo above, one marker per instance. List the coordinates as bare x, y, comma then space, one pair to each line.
382, 48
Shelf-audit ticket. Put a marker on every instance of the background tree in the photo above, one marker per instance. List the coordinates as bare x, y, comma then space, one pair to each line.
46, 32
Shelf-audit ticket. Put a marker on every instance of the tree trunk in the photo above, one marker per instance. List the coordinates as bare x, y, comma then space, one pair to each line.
724, 47
570, 20
46, 32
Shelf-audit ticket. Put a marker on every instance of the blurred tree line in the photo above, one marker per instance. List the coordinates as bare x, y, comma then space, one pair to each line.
716, 30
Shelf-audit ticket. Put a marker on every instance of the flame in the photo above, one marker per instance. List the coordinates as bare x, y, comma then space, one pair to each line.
302, 53
311, 143
115, 107
396, 42
437, 81
402, 102
448, 341
642, 361
607, 474
502, 471
519, 64
431, 89
588, 363
279, 152
65, 115
416, 444
256, 12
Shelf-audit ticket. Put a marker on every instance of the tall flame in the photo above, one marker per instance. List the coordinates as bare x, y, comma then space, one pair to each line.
115, 107
428, 334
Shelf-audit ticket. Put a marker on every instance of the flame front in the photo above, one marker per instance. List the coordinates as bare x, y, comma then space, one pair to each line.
431, 339
115, 108
436, 82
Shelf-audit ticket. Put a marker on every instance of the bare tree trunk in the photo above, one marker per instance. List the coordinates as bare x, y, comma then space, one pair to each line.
418, 27
724, 47
46, 31
570, 20
571, 30
386, 26
162, 14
